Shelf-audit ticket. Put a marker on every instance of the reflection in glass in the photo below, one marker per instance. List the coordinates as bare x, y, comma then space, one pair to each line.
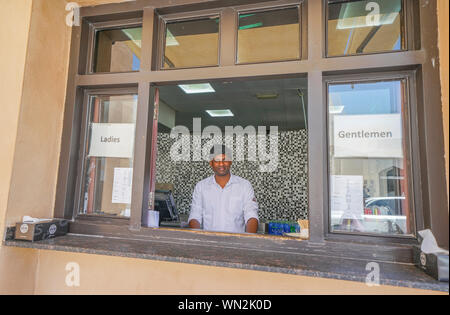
193, 43
368, 159
109, 156
118, 50
269, 36
361, 27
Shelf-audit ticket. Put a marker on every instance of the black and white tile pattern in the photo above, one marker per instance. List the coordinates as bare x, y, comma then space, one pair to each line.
282, 194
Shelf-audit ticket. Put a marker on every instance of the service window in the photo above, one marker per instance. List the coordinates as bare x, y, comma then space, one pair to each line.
263, 124
369, 190
369, 178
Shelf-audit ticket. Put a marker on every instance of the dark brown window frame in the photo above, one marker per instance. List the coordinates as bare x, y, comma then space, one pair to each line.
316, 67
411, 138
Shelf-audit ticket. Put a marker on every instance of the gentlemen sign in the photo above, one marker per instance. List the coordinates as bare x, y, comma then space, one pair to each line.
112, 140
376, 136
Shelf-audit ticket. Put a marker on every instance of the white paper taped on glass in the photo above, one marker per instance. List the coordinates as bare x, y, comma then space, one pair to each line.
375, 136
112, 140
122, 185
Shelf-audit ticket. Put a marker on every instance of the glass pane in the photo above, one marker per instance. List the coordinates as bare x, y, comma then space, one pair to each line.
118, 50
109, 159
361, 27
269, 36
369, 179
192, 43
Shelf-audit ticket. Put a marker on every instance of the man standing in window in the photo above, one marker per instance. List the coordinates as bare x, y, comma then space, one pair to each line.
224, 202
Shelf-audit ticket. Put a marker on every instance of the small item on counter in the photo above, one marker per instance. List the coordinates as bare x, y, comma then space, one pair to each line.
283, 227
33, 229
304, 224
304, 229
150, 218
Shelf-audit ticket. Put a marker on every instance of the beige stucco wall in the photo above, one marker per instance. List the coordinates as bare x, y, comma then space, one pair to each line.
40, 122
16, 265
33, 67
443, 21
117, 275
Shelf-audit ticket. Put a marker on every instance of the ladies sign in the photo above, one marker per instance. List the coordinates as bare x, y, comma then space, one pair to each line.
112, 140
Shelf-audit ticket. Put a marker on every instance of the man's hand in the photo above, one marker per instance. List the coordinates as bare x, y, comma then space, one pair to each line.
252, 225
194, 224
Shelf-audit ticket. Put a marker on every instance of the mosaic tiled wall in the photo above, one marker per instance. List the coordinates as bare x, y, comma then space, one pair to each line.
282, 194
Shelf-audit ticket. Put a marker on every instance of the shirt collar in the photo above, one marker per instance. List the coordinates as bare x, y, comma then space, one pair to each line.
231, 181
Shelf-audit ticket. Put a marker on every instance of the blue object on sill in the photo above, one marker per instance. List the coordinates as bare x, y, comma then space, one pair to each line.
282, 227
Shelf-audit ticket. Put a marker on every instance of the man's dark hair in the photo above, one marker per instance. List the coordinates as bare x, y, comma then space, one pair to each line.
219, 149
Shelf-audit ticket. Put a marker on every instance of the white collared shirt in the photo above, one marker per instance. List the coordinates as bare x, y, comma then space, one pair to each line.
224, 209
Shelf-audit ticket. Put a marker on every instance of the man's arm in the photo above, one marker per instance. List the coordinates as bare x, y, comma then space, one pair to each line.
250, 210
196, 214
252, 226
194, 224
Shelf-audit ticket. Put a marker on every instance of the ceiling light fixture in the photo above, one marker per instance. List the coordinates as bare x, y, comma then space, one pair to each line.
267, 96
246, 27
197, 88
220, 113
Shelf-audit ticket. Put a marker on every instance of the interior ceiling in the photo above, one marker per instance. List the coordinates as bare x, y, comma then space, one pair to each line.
270, 18
194, 27
284, 111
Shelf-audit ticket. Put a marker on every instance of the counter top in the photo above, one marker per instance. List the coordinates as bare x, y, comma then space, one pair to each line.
327, 260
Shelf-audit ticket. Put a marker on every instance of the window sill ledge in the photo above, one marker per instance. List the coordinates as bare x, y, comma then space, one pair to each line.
330, 260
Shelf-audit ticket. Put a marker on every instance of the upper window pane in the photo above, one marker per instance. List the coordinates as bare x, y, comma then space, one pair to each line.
193, 43
109, 157
362, 27
118, 50
368, 151
269, 36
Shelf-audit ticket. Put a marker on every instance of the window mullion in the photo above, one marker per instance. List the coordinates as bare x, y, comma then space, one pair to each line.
316, 33
139, 197
316, 126
147, 38
317, 163
228, 30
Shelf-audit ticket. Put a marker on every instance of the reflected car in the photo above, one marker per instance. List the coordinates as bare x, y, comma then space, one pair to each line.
385, 214
384, 206
381, 215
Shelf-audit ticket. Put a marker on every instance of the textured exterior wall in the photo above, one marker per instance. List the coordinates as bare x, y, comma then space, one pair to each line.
117, 275
16, 266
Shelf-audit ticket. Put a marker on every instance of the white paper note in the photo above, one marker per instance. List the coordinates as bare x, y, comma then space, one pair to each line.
123, 179
347, 196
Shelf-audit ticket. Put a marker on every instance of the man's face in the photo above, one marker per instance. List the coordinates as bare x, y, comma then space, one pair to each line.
220, 166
